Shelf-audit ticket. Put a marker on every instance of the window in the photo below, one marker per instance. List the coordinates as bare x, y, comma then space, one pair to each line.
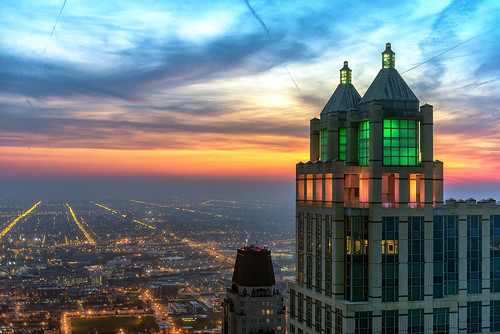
319, 190
309, 189
390, 190
328, 319
356, 259
364, 143
328, 255
390, 259
338, 321
300, 307
438, 279
319, 253
415, 258
390, 322
300, 188
495, 316
363, 322
451, 255
300, 248
309, 250
474, 254
343, 144
495, 253
416, 321
441, 321
400, 142
317, 316
474, 317
324, 145
328, 190
308, 311
292, 304
416, 190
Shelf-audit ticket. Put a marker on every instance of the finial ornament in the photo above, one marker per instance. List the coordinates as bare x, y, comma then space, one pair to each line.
345, 74
388, 57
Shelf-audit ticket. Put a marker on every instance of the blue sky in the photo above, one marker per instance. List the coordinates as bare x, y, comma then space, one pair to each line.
169, 80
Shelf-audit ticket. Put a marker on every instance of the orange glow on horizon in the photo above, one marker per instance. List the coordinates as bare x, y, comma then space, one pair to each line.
248, 164
465, 160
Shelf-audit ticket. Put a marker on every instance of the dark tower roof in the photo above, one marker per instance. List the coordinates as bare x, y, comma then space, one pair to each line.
389, 88
344, 98
253, 267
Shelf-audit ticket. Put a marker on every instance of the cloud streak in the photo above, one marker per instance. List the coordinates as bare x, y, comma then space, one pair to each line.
257, 17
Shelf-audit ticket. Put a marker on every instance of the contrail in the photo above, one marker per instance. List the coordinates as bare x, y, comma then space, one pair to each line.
257, 17
286, 68
28, 101
439, 55
55, 24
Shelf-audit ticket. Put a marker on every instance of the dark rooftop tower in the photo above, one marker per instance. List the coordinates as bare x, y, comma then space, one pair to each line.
253, 304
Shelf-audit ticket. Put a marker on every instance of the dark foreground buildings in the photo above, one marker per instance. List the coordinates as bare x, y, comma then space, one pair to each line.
253, 304
378, 250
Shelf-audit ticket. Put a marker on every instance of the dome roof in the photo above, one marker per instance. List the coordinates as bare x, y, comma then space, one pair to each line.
391, 90
344, 98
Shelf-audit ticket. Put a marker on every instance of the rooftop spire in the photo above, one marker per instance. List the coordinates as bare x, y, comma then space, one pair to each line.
345, 74
388, 57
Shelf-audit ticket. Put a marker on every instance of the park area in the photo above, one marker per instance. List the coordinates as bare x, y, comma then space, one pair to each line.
112, 324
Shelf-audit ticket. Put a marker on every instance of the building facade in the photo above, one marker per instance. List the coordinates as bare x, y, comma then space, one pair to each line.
378, 250
253, 304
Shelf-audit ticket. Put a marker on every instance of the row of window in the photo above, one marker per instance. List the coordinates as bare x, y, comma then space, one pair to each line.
400, 143
317, 189
363, 321
315, 256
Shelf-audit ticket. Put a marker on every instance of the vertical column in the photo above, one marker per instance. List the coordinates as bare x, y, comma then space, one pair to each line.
428, 261
338, 229
403, 260
333, 137
426, 133
403, 190
375, 191
438, 182
486, 281
375, 205
352, 138
426, 147
462, 268
314, 141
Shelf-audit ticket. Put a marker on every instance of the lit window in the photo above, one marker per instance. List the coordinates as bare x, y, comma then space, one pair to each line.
364, 143
400, 142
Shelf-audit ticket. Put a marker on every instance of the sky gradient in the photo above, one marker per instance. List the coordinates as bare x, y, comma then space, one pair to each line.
226, 89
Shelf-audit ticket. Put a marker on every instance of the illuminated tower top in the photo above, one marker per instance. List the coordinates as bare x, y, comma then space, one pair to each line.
389, 88
344, 98
388, 57
345, 74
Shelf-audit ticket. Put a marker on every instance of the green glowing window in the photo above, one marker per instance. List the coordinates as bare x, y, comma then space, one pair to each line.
324, 145
343, 144
364, 143
400, 142
388, 59
343, 75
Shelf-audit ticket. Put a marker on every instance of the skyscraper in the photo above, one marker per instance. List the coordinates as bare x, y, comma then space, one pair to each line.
253, 304
378, 250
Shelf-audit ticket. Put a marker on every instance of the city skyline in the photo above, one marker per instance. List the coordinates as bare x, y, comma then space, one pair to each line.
224, 91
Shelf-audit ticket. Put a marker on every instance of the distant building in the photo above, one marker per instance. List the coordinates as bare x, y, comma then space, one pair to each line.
52, 292
133, 272
163, 290
253, 304
378, 250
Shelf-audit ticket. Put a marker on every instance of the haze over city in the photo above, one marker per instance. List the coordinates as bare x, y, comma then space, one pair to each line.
167, 97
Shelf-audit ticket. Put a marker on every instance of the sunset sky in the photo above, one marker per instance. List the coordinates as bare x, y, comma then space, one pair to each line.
226, 89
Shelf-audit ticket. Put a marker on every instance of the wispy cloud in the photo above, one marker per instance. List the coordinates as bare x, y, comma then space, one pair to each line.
204, 76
